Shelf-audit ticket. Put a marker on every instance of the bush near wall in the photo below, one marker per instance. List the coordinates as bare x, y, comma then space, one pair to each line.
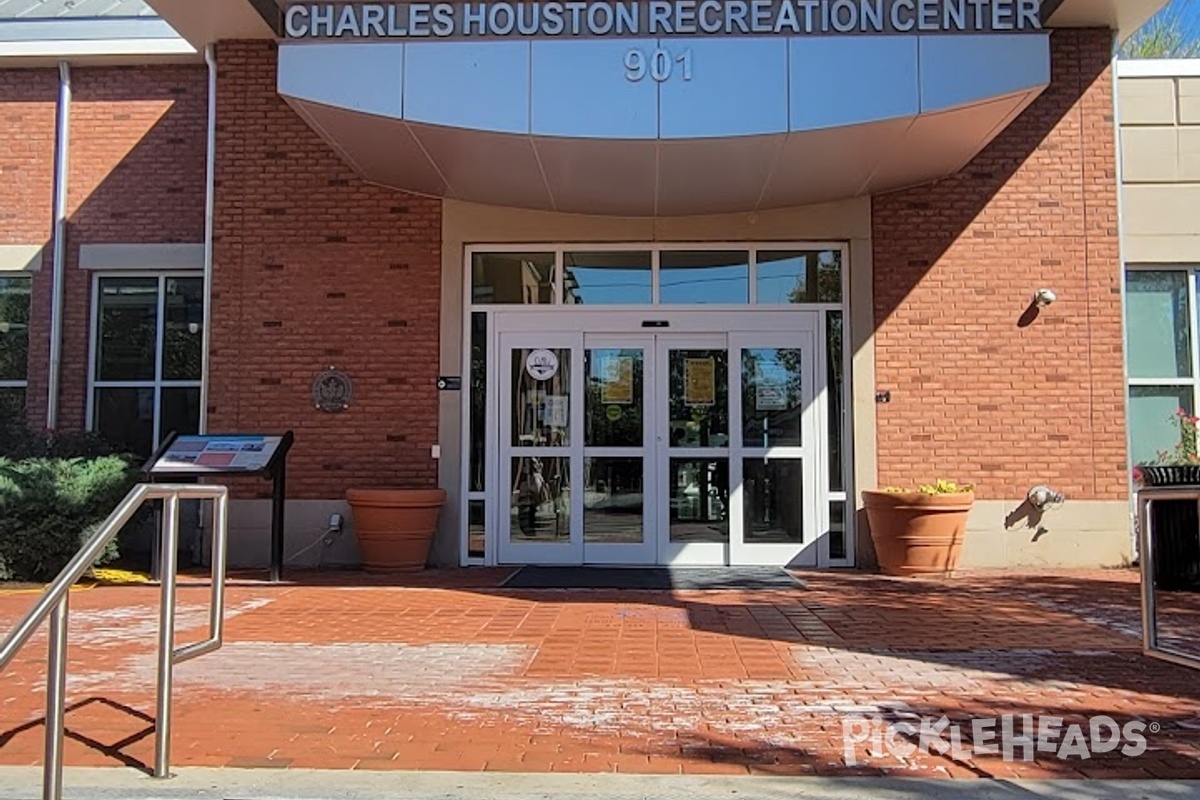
48, 508
54, 490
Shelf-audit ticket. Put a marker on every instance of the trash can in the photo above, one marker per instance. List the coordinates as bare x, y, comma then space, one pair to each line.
1176, 532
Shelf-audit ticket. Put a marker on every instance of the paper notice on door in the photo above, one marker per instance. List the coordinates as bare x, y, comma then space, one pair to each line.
770, 397
617, 388
699, 382
556, 411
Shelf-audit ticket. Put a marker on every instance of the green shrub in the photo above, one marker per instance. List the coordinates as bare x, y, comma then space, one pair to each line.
49, 506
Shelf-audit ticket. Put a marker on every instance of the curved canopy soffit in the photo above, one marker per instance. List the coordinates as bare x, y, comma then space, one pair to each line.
730, 125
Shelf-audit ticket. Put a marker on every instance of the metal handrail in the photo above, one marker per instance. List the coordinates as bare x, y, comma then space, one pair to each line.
55, 605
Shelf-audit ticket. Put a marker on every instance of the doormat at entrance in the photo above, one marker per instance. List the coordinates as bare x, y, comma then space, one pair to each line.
662, 578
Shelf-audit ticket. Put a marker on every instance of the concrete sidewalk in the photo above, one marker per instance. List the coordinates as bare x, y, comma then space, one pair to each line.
84, 783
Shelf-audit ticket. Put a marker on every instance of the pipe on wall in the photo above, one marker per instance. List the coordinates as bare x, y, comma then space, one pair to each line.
62, 138
210, 162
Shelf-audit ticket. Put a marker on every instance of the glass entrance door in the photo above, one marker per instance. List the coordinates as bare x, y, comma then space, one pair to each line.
667, 448
619, 514
693, 448
774, 465
541, 455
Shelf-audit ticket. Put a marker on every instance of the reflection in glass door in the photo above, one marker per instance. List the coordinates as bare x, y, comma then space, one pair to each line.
618, 520
693, 448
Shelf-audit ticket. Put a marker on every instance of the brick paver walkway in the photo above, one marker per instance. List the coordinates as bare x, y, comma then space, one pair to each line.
454, 673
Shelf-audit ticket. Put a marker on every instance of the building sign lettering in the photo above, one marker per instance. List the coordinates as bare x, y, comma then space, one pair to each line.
633, 18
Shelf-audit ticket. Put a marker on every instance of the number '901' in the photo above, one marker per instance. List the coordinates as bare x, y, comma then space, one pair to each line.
658, 65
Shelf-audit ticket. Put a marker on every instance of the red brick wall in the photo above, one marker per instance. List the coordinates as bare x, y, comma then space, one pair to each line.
313, 268
27, 118
136, 175
976, 396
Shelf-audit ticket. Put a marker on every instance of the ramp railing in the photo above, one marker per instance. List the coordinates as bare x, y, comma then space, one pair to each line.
54, 604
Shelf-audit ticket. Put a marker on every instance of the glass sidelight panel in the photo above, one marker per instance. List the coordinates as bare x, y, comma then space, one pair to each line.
541, 386
614, 500
772, 387
837, 530
699, 408
478, 401
476, 528
614, 410
836, 378
541, 499
699, 500
773, 500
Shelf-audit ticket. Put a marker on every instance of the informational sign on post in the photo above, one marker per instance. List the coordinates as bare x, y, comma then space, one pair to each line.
198, 454
193, 456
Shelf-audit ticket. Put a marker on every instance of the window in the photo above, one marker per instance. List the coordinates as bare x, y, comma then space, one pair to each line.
1160, 334
147, 367
14, 345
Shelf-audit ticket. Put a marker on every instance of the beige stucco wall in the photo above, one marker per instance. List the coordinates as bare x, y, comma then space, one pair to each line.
467, 223
1079, 534
1159, 112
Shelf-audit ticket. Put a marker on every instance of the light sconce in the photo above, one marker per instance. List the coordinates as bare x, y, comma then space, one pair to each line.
1042, 497
193, 328
1044, 297
4, 327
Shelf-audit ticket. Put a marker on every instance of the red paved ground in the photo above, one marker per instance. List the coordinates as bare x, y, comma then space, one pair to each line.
453, 673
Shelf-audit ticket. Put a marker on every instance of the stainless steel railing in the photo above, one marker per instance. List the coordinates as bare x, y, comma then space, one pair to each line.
54, 604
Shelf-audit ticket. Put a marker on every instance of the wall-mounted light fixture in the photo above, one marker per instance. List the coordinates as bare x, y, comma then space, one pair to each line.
1044, 297
1042, 497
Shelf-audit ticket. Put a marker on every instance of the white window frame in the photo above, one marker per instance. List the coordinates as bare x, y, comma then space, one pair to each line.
24, 383
751, 248
158, 383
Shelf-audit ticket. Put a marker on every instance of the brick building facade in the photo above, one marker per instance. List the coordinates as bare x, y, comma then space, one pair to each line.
318, 260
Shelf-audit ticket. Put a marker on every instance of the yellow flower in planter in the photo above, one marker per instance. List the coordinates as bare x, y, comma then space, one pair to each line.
940, 486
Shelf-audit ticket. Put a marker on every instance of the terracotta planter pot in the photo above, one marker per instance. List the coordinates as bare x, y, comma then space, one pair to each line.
917, 534
395, 526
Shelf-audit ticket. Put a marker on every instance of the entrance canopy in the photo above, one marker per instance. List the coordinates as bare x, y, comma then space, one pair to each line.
735, 124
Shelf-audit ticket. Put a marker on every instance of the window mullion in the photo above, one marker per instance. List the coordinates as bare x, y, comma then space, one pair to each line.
753, 259
159, 354
1194, 344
